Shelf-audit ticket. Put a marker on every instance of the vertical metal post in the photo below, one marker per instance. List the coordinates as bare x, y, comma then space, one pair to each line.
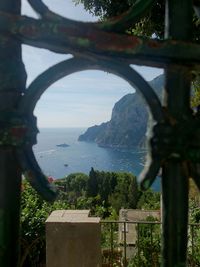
192, 232
175, 182
138, 242
151, 233
125, 263
12, 80
111, 242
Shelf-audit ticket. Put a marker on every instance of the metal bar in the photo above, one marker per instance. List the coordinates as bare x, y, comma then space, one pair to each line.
151, 224
175, 180
12, 80
125, 262
86, 40
135, 222
192, 232
111, 243
138, 242
151, 233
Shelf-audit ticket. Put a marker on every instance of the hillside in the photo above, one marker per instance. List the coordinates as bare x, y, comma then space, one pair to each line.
128, 123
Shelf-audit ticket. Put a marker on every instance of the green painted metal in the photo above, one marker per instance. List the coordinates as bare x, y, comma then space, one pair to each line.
175, 144
12, 80
175, 176
79, 38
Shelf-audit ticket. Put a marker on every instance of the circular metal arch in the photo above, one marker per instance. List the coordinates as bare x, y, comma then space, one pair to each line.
27, 105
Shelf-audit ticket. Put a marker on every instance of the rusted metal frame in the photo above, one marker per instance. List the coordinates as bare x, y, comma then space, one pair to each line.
12, 80
175, 176
87, 40
112, 46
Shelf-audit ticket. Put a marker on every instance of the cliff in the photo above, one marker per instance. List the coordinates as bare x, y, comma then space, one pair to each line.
128, 123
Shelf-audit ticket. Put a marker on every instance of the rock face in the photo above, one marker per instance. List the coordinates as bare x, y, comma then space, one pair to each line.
128, 123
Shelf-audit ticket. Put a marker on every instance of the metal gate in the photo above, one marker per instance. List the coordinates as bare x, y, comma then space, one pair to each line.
175, 145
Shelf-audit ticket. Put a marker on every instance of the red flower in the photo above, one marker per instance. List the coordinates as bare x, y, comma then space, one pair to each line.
50, 179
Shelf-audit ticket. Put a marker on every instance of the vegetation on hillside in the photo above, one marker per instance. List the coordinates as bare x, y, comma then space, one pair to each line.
104, 193
106, 189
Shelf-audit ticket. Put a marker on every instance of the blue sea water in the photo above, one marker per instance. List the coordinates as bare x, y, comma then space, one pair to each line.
81, 156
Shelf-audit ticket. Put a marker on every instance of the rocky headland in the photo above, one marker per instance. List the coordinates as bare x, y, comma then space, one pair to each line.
128, 125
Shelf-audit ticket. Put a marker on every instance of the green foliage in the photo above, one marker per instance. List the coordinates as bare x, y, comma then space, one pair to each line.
193, 246
93, 183
151, 23
148, 246
125, 193
105, 8
73, 182
194, 231
195, 101
149, 200
103, 190
72, 187
115, 189
34, 212
103, 193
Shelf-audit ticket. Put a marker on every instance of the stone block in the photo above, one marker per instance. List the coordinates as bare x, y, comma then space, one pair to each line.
73, 239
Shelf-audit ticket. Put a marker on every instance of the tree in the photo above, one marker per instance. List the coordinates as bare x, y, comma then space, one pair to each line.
125, 193
93, 187
149, 200
151, 23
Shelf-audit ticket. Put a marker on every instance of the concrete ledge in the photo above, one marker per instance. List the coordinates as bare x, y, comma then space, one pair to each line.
73, 239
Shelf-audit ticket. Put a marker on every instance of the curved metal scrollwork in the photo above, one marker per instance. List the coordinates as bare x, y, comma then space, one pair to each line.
85, 40
60, 70
39, 7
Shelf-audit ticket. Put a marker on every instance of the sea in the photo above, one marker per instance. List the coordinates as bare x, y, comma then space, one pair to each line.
58, 162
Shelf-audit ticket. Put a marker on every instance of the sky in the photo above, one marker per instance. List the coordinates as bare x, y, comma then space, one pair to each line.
82, 99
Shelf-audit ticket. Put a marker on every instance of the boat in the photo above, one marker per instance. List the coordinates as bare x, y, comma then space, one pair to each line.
63, 145
66, 165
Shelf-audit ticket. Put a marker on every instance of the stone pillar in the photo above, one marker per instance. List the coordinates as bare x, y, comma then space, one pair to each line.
73, 239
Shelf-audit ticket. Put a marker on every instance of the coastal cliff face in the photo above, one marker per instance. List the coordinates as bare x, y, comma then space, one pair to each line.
128, 124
